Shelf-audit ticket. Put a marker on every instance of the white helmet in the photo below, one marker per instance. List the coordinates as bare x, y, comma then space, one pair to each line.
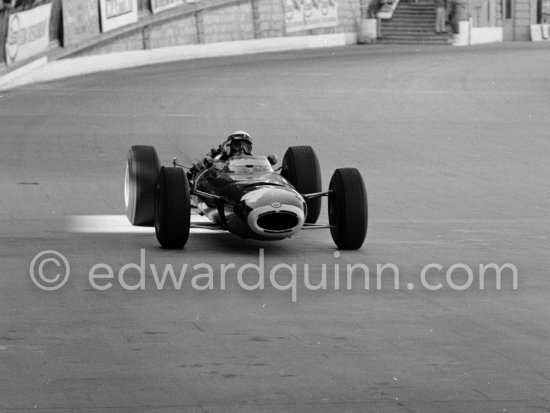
239, 142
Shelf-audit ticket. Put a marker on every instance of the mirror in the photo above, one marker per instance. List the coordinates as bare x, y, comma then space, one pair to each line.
272, 159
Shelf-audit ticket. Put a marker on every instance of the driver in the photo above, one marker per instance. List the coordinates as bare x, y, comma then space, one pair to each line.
239, 143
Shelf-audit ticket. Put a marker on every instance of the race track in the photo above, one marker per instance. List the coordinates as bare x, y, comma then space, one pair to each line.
453, 144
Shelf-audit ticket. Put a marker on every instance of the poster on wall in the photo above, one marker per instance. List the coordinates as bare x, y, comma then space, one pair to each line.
28, 33
117, 13
80, 20
321, 13
161, 5
294, 15
310, 14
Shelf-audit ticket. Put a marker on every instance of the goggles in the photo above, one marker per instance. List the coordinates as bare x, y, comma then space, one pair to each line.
243, 145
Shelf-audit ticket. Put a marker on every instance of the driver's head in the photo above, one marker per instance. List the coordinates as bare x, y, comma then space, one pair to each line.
240, 143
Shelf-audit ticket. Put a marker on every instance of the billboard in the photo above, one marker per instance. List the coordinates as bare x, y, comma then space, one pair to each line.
161, 5
80, 20
310, 14
117, 13
28, 33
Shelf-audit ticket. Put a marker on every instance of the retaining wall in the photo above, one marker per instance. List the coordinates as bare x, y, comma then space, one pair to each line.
213, 22
147, 34
75, 31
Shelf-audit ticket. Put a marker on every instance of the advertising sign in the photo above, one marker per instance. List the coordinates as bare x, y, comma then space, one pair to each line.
294, 15
322, 13
28, 33
310, 14
80, 20
117, 13
161, 5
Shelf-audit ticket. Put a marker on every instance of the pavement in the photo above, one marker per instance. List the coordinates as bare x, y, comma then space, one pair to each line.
453, 146
46, 68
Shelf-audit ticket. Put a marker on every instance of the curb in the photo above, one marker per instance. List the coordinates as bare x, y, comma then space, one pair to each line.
41, 70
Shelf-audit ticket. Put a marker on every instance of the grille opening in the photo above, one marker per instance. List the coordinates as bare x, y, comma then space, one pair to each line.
277, 221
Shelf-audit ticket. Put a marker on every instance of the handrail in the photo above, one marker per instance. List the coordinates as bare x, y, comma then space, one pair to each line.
387, 9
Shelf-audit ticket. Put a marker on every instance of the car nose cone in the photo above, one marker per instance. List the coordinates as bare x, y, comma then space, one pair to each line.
274, 212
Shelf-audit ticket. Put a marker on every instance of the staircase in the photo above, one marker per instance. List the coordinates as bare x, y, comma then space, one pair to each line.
413, 23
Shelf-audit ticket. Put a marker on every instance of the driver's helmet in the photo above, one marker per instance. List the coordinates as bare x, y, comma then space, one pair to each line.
239, 143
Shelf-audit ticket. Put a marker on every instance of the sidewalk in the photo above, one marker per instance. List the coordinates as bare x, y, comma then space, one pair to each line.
43, 70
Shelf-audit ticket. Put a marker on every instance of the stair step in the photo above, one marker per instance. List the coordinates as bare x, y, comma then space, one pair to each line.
414, 9
413, 23
405, 17
426, 28
397, 17
434, 37
416, 37
405, 6
430, 31
412, 26
413, 43
413, 15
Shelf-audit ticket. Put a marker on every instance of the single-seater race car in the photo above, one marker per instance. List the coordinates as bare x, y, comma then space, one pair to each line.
243, 194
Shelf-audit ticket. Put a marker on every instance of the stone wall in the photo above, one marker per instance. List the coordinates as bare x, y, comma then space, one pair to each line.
272, 19
174, 33
228, 23
237, 20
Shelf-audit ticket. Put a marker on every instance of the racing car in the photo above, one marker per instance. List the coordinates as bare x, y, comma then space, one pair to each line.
244, 195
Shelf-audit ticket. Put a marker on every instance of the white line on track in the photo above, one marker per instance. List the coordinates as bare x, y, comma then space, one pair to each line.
118, 224
113, 224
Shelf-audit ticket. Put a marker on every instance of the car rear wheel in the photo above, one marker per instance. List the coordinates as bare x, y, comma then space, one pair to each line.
142, 168
172, 208
348, 209
301, 168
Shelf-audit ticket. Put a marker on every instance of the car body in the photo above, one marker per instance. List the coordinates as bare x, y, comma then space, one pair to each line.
244, 195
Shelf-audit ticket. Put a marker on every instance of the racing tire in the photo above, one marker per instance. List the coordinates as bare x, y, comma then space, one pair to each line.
172, 208
301, 168
348, 209
142, 168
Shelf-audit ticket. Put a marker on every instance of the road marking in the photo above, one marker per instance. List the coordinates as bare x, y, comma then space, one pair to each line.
462, 221
118, 224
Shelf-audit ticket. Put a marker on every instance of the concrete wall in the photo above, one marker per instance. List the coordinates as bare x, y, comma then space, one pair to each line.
228, 23
484, 13
272, 19
174, 33
239, 20
485, 35
522, 19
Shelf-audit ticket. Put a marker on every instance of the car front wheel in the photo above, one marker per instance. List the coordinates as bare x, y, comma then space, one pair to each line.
301, 168
142, 168
172, 208
348, 209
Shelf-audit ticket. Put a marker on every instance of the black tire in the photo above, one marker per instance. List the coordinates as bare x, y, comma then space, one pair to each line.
301, 168
142, 168
172, 208
348, 209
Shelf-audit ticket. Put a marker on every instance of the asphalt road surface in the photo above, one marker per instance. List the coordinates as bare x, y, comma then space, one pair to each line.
453, 144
